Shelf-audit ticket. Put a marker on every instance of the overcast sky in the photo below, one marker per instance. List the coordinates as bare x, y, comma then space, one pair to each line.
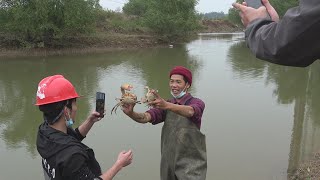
204, 6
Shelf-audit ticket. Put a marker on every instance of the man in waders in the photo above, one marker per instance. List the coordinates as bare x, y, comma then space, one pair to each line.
183, 146
64, 156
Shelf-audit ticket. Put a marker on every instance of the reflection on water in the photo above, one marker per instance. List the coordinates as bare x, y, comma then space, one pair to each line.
297, 86
222, 36
261, 120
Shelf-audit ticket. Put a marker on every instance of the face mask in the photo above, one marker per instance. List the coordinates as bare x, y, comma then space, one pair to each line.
69, 122
182, 93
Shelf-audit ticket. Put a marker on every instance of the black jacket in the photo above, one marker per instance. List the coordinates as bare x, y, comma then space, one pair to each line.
293, 41
64, 156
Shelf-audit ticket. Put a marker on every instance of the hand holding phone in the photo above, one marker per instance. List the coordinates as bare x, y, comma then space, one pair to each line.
255, 4
100, 101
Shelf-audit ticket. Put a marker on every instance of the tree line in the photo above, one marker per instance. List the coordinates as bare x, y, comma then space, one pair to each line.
41, 22
49, 23
213, 15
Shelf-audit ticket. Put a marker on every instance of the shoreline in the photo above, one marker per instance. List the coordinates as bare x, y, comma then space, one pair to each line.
87, 45
309, 169
100, 42
10, 53
104, 45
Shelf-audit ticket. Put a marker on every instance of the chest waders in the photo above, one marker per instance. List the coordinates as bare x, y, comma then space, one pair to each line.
183, 150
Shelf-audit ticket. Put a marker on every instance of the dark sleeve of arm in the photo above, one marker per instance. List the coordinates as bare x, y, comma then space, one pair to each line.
157, 115
76, 169
293, 41
75, 133
198, 107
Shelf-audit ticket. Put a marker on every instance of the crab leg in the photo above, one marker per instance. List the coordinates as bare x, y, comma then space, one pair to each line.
115, 108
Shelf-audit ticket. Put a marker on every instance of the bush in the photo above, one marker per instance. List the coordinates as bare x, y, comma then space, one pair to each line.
172, 18
136, 7
35, 21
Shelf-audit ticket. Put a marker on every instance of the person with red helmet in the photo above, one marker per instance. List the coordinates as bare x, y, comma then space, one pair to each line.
183, 146
64, 156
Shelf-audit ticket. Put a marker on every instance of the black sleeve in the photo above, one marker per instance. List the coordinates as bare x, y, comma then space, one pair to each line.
84, 173
76, 168
79, 135
75, 133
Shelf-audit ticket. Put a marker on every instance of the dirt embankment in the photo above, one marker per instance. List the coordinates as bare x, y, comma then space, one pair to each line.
309, 170
102, 41
220, 26
88, 44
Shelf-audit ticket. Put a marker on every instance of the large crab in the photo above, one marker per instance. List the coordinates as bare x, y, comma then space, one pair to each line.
149, 96
127, 97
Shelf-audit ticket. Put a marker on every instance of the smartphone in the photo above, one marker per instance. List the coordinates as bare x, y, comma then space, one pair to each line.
255, 4
100, 101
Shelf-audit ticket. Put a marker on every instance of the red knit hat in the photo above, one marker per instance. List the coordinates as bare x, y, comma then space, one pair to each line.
186, 73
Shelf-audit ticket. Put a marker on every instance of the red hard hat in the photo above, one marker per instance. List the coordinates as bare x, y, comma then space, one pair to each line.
54, 89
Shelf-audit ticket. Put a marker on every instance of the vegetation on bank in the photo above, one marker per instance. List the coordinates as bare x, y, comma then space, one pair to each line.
213, 15
30, 24
51, 24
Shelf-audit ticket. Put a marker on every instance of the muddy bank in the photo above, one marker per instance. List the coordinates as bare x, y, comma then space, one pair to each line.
309, 170
103, 42
220, 26
88, 44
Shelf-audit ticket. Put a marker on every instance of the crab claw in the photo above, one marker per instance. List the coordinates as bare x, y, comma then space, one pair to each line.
126, 86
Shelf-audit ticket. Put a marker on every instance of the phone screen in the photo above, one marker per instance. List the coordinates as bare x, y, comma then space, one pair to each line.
254, 3
100, 101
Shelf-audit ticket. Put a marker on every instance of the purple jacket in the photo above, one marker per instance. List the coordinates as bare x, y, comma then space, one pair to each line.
159, 115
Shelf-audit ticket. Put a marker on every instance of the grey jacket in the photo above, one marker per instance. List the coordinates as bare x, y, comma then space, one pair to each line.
293, 41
